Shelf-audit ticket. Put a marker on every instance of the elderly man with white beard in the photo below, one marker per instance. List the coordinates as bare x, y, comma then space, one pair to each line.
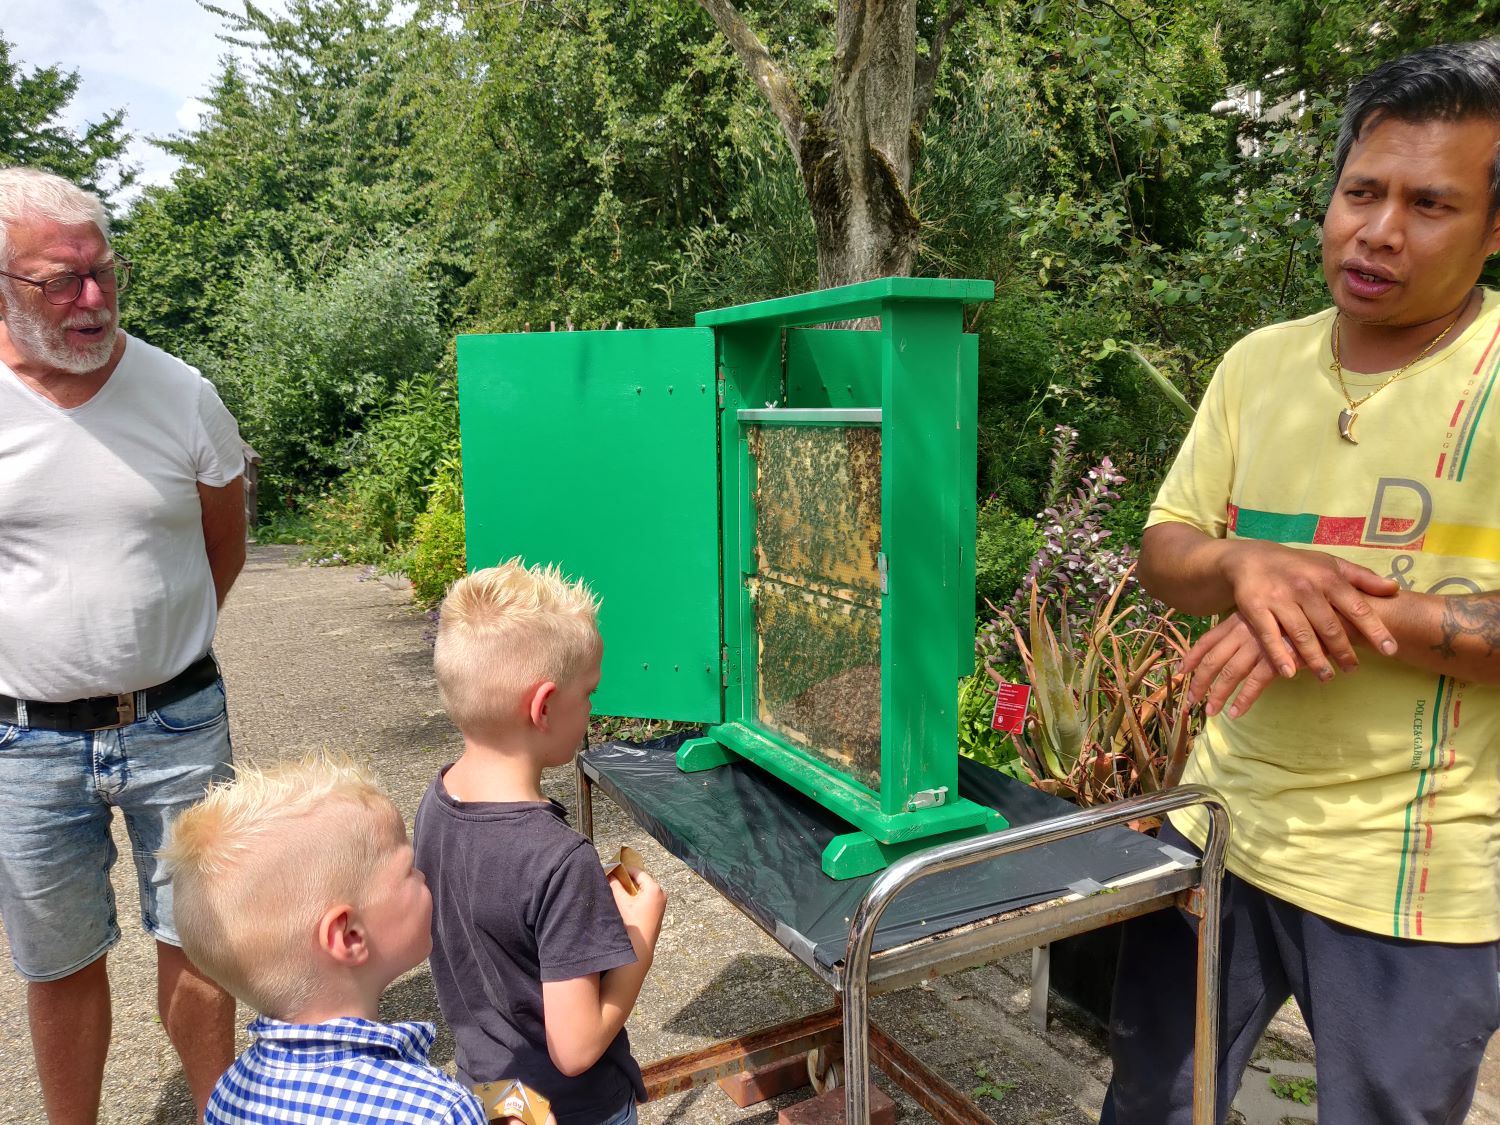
122, 528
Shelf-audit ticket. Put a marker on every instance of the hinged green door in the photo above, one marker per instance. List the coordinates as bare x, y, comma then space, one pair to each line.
598, 451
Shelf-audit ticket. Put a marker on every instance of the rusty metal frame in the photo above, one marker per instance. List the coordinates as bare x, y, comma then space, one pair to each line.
677, 1073
824, 1029
947, 1104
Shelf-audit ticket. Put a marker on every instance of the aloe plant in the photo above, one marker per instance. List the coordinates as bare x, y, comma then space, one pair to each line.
1109, 716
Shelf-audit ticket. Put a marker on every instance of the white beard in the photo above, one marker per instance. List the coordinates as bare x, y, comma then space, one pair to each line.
47, 344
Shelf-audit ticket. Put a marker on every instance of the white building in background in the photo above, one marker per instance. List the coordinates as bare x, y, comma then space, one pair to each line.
1241, 101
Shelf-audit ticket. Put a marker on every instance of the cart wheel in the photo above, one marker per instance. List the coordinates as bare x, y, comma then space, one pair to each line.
823, 1072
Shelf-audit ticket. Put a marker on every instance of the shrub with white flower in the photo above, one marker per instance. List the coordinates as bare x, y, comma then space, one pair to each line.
1078, 567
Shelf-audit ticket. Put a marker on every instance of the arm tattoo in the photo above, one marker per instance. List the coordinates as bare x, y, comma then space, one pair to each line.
1478, 614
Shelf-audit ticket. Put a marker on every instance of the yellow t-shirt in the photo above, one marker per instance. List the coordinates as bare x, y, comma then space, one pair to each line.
1372, 799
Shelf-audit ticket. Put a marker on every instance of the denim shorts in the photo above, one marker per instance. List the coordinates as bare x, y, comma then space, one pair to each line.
58, 793
626, 1116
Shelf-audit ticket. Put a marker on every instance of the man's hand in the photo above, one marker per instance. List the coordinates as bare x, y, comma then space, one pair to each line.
1298, 603
1288, 609
1225, 660
1320, 603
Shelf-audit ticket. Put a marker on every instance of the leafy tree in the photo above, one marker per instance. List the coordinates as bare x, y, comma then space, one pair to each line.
760, 245
1286, 47
300, 157
436, 554
856, 150
304, 367
574, 146
397, 452
1064, 158
375, 174
31, 132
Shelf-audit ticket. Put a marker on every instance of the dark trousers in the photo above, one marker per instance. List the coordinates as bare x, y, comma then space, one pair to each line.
1399, 1026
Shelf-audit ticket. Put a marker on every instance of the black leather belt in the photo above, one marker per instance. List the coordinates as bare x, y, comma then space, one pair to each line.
103, 712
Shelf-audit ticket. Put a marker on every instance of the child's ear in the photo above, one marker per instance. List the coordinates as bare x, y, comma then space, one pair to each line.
539, 704
342, 937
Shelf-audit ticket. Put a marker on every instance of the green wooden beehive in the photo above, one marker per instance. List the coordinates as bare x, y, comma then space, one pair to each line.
780, 522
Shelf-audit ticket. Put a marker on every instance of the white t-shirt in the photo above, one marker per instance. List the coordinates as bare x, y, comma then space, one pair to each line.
104, 578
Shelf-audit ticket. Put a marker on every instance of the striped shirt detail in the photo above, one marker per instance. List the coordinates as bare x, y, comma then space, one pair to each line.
1453, 459
1417, 837
1454, 540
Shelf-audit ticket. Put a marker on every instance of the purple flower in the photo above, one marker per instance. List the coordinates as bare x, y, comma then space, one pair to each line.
1074, 567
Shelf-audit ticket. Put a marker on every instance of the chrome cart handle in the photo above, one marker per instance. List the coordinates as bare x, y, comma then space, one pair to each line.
946, 857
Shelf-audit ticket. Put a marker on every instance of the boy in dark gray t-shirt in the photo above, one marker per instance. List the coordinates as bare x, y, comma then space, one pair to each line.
537, 957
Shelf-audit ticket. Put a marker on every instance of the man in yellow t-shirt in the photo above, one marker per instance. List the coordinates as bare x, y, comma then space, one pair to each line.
1338, 498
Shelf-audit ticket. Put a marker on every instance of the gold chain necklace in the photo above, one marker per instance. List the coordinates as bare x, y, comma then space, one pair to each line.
1351, 412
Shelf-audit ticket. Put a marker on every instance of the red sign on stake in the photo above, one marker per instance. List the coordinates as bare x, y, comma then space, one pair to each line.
1011, 701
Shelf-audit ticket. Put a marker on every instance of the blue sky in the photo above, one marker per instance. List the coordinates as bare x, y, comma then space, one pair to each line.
152, 58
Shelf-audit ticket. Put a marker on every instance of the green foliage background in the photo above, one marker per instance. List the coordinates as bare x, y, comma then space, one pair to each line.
371, 179
33, 131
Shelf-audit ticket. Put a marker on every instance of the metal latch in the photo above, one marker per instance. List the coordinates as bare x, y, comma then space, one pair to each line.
927, 799
880, 565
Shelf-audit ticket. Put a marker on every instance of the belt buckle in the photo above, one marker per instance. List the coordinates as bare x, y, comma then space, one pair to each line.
124, 710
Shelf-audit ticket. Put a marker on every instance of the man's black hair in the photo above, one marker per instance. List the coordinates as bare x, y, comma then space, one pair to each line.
1444, 82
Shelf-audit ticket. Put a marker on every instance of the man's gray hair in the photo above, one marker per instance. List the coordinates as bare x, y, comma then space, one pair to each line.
1444, 82
31, 193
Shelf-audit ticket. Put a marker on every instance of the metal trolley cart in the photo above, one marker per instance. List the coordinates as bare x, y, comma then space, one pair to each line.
938, 911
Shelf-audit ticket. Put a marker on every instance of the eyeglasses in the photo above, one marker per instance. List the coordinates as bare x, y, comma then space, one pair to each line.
66, 288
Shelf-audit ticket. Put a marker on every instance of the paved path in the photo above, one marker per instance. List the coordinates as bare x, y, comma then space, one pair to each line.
327, 658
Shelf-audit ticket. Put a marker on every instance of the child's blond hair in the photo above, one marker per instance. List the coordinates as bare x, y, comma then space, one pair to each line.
257, 862
504, 630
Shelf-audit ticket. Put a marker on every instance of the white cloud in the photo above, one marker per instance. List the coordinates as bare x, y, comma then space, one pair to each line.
154, 59
190, 113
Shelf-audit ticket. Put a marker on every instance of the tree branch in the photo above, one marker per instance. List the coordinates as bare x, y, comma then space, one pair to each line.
928, 65
1129, 22
768, 76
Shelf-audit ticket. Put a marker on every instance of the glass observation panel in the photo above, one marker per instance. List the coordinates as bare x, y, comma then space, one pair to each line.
816, 590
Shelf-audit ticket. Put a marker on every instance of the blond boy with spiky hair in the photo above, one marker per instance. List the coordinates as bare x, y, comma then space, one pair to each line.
537, 958
296, 892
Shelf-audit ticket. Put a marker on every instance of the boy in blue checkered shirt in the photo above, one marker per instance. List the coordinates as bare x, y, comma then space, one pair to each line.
295, 891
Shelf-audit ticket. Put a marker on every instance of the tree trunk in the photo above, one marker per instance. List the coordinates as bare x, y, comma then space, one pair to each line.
856, 161
856, 155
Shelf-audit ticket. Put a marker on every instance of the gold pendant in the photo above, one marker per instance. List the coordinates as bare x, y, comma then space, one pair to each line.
1346, 426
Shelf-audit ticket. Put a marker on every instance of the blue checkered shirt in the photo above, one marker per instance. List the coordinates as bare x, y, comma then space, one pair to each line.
353, 1071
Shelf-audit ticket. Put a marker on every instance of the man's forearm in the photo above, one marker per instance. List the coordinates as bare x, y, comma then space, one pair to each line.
1183, 566
225, 564
1454, 635
224, 533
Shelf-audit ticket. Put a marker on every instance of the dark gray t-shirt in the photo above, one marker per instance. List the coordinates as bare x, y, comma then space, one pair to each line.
519, 898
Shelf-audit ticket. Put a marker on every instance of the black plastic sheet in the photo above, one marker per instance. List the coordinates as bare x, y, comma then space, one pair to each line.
759, 842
